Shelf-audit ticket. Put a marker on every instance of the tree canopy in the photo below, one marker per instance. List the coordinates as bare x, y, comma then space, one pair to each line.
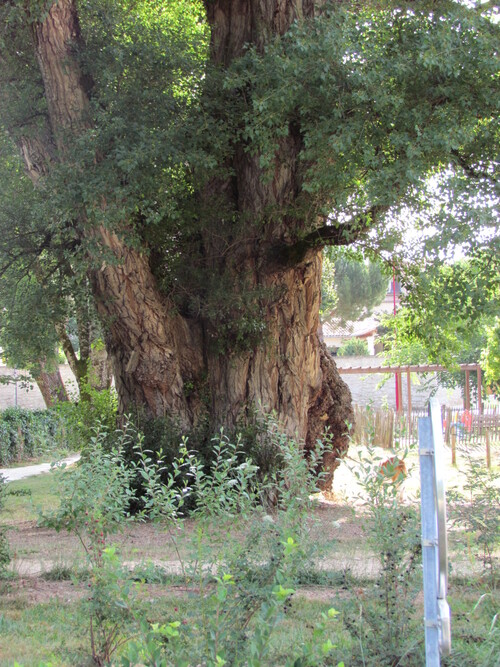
190, 160
450, 314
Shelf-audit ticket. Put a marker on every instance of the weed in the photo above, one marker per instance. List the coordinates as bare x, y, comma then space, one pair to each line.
149, 573
94, 503
476, 510
476, 635
6, 490
4, 544
65, 573
383, 620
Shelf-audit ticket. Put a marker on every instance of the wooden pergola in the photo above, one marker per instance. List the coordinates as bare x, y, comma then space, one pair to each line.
426, 368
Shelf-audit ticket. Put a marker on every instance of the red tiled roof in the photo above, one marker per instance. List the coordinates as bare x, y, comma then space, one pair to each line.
340, 329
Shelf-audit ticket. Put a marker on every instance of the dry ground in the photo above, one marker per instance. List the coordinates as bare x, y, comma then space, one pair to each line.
336, 522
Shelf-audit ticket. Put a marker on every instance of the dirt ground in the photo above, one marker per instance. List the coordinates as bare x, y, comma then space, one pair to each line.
38, 552
335, 521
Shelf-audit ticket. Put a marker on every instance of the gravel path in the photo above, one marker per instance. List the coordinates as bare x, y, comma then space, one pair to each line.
13, 474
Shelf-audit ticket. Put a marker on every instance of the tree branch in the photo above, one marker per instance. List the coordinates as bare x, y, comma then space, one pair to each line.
333, 234
67, 346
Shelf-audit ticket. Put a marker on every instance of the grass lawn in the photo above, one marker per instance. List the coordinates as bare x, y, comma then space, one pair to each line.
40, 490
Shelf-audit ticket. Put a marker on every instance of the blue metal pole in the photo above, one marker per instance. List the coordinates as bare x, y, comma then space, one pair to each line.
429, 542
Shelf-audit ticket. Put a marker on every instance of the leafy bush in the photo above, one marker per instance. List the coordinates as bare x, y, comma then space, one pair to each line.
476, 511
384, 620
355, 347
257, 441
79, 419
243, 586
26, 433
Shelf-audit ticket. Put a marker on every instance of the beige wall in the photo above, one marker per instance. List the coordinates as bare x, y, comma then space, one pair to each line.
30, 397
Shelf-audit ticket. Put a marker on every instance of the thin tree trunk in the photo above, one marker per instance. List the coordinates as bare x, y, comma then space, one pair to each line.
51, 386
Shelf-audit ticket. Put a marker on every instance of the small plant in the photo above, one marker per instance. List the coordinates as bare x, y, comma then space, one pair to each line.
110, 606
477, 641
476, 511
64, 573
319, 647
94, 503
4, 544
393, 533
228, 486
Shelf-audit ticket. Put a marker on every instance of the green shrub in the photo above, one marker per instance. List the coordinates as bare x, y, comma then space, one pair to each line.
383, 620
94, 504
25, 434
355, 347
475, 513
80, 419
257, 442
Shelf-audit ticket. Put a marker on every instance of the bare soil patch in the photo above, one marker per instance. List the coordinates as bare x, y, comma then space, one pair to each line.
336, 523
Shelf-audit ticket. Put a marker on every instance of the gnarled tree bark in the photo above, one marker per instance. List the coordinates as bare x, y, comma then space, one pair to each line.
157, 352
292, 374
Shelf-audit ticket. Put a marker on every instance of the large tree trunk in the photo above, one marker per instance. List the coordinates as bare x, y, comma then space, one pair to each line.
290, 373
155, 351
151, 349
163, 361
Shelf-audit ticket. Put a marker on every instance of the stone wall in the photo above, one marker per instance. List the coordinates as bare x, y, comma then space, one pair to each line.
29, 396
378, 388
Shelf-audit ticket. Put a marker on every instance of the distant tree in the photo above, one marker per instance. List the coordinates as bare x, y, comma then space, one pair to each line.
351, 287
450, 315
28, 337
352, 348
39, 293
490, 355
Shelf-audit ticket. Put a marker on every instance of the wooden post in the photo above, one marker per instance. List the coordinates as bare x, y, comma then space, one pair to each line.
447, 432
479, 391
453, 446
467, 391
488, 450
400, 389
408, 385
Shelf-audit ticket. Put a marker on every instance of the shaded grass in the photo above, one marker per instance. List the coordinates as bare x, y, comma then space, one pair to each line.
42, 490
51, 632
